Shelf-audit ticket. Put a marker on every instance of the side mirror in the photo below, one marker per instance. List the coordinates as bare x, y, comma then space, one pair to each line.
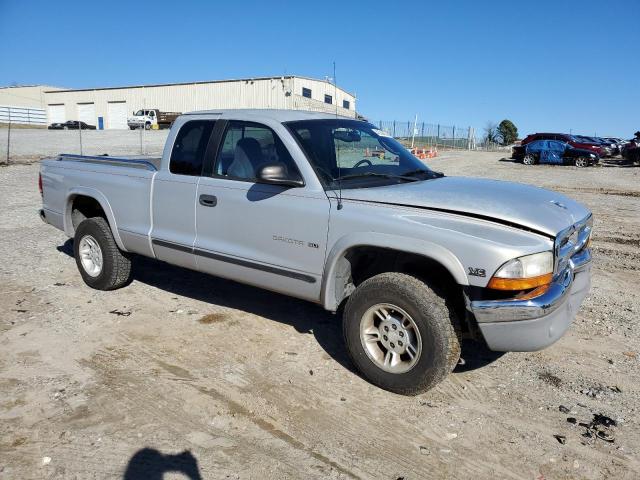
276, 174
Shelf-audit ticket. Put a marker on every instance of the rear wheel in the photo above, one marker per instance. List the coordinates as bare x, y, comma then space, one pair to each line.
581, 162
147, 126
529, 159
101, 263
400, 333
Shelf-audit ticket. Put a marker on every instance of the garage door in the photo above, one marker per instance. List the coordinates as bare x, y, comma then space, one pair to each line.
117, 115
56, 114
87, 113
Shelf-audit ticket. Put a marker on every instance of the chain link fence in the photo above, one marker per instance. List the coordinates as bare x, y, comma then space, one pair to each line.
429, 135
435, 136
20, 144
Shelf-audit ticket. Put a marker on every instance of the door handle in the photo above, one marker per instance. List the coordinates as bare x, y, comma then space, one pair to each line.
208, 200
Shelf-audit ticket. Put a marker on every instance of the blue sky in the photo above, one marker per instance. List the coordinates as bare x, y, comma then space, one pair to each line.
548, 66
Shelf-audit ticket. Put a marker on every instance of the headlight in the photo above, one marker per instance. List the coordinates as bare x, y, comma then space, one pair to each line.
523, 273
592, 155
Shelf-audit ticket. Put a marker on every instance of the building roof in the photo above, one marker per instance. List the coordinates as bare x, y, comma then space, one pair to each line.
29, 86
281, 77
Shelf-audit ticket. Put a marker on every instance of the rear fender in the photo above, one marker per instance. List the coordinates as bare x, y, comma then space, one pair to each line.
104, 203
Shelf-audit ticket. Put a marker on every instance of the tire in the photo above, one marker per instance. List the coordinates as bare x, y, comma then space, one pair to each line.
147, 126
433, 327
65, 128
115, 269
581, 162
131, 128
529, 160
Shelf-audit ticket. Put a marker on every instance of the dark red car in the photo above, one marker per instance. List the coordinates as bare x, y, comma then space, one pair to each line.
518, 151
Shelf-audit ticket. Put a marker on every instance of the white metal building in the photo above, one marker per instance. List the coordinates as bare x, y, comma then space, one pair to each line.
110, 107
24, 104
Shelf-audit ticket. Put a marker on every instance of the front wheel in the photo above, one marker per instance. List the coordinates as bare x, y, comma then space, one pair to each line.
400, 333
147, 126
529, 160
581, 162
101, 263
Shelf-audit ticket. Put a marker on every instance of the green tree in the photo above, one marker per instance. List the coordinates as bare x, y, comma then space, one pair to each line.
507, 132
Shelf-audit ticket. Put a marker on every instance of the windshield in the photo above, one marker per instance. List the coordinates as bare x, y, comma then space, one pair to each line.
355, 154
139, 113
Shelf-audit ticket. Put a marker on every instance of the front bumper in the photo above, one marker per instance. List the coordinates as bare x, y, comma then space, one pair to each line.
524, 325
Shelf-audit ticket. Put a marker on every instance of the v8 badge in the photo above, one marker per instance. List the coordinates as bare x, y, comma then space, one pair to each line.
477, 272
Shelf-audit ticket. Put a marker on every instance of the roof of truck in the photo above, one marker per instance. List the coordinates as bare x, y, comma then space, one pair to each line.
275, 114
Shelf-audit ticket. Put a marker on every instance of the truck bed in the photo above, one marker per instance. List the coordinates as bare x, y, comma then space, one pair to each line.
121, 184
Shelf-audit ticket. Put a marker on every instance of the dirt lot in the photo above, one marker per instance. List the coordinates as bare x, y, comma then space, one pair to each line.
206, 378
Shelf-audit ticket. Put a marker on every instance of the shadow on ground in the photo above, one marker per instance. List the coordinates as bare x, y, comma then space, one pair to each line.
304, 316
150, 464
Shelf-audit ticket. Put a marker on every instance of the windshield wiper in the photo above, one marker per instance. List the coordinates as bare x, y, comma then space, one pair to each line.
375, 174
418, 171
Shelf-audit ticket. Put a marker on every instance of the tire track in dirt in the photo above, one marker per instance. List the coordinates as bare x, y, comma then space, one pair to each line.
349, 432
145, 355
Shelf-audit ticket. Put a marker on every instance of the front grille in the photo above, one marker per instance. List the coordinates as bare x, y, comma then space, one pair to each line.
570, 242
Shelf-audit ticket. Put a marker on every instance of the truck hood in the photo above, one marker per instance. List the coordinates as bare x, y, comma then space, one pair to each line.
517, 204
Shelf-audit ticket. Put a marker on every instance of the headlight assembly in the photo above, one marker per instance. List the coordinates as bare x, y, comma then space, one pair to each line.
523, 273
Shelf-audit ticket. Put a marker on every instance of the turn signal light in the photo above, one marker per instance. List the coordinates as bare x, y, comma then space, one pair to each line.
497, 283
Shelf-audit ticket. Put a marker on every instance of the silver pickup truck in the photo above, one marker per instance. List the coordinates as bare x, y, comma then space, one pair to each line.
334, 211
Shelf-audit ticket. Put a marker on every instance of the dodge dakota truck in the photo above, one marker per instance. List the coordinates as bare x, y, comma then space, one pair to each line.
295, 202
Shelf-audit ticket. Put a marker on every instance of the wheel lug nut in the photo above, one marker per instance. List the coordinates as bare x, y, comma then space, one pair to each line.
386, 329
392, 345
385, 338
399, 343
401, 334
395, 327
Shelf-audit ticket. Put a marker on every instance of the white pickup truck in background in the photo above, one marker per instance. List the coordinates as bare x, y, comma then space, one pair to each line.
151, 117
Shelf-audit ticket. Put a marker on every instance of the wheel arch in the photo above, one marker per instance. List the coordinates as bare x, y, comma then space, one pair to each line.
338, 269
77, 193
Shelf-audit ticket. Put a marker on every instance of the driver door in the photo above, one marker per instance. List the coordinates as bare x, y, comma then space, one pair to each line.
267, 235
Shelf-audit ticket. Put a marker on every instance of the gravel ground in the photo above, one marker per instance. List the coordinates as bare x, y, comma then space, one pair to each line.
199, 376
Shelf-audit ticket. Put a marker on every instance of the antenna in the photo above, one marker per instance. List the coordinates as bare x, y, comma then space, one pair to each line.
335, 98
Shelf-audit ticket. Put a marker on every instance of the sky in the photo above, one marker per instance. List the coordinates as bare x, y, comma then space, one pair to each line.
567, 66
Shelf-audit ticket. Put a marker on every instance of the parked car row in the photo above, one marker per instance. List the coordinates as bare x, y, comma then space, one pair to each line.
71, 125
558, 153
565, 149
631, 150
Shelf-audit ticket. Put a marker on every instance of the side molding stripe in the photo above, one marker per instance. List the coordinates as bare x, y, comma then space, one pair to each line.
236, 261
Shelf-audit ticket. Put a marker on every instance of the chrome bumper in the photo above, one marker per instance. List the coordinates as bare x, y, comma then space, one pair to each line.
535, 323
516, 309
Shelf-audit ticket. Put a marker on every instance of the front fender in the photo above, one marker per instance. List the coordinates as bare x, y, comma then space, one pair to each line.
425, 248
104, 203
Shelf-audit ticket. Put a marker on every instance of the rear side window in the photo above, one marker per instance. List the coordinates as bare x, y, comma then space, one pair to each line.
187, 156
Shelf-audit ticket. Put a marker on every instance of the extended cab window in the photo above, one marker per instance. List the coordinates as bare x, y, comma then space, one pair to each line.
247, 146
187, 156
